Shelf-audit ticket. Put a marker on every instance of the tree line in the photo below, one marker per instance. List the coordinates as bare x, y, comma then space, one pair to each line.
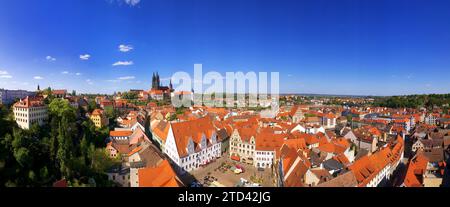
414, 101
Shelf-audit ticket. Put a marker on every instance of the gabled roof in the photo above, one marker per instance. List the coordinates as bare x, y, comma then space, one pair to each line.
195, 130
368, 166
347, 179
416, 169
60, 183
161, 129
294, 175
97, 112
296, 143
121, 147
30, 102
322, 174
160, 176
59, 92
342, 159
267, 140
246, 132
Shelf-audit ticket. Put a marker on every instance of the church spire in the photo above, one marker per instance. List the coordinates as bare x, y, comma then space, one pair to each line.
153, 80
158, 83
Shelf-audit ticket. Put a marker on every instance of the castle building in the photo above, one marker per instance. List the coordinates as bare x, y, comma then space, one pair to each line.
29, 111
159, 92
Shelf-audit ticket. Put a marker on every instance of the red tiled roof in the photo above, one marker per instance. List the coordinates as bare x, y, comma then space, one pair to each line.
183, 131
416, 169
59, 92
60, 184
367, 167
30, 102
120, 133
161, 176
97, 112
267, 140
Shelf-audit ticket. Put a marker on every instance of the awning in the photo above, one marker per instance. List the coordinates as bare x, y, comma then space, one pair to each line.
237, 158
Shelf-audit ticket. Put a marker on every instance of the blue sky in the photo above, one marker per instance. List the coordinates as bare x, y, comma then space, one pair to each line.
359, 47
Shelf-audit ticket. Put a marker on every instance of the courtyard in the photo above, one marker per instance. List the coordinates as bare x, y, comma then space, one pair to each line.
221, 173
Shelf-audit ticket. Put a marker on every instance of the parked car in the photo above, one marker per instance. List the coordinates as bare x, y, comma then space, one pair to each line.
195, 184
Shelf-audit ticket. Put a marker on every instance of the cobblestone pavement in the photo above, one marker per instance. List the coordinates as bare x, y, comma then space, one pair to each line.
228, 178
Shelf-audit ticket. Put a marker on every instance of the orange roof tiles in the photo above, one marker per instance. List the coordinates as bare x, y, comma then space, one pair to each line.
161, 176
59, 92
268, 141
328, 147
367, 167
120, 133
294, 169
161, 130
30, 102
342, 159
296, 143
416, 168
97, 112
183, 131
137, 149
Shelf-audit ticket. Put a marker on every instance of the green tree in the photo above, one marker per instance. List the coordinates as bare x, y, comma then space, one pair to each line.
92, 105
7, 142
32, 176
130, 95
84, 147
23, 156
349, 118
44, 174
100, 161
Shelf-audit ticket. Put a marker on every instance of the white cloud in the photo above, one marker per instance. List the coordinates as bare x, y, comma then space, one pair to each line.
5, 74
123, 63
125, 48
50, 58
126, 78
88, 81
85, 57
132, 2
70, 73
38, 77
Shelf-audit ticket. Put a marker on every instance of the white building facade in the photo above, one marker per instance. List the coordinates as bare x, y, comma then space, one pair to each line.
189, 155
264, 159
28, 112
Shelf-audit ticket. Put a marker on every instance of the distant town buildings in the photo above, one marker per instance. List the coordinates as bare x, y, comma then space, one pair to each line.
9, 96
301, 145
